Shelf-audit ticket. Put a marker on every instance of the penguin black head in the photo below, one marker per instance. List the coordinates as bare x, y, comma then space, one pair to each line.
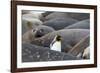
58, 38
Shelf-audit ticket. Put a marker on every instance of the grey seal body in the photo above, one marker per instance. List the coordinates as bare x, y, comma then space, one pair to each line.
77, 16
84, 24
34, 53
59, 23
70, 37
54, 15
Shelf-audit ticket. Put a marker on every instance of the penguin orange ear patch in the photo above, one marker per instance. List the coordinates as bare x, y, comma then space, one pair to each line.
52, 36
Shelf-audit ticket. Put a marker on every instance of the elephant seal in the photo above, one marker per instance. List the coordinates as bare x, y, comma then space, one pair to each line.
59, 23
70, 37
32, 14
37, 32
84, 24
25, 11
34, 53
77, 16
46, 13
54, 15
29, 23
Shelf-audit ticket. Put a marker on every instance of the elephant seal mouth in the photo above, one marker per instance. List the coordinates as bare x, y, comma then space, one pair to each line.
38, 35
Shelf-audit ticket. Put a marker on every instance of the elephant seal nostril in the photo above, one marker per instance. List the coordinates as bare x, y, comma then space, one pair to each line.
39, 33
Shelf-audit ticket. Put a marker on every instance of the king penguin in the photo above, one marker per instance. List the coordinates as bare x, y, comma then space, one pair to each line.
56, 43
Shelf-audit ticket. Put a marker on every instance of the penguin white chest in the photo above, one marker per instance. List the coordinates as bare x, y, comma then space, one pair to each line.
56, 46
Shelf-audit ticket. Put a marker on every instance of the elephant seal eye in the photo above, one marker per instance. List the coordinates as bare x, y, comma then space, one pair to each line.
33, 30
41, 30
